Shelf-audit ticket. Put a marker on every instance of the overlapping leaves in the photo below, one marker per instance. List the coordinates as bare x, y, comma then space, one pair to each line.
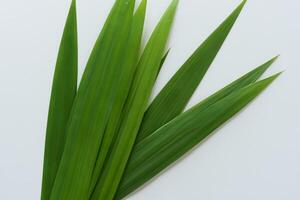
103, 142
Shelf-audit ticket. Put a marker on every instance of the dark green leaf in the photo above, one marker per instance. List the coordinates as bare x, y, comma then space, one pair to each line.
63, 93
92, 107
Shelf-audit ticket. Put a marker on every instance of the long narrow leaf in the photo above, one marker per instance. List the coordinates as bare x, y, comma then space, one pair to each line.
63, 93
173, 98
245, 80
135, 106
129, 67
162, 62
173, 140
94, 101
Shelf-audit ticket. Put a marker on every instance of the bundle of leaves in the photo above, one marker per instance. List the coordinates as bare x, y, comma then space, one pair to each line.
105, 139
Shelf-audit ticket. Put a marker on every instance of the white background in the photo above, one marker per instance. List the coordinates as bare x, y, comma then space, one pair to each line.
254, 157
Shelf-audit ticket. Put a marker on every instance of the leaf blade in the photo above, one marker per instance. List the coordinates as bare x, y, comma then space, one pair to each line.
173, 98
141, 168
136, 104
129, 66
62, 96
92, 105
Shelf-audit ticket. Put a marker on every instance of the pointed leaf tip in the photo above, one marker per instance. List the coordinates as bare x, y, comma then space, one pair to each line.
240, 7
243, 3
269, 80
267, 64
274, 58
275, 76
174, 4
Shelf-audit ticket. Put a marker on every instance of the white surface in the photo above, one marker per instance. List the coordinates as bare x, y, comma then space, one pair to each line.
254, 157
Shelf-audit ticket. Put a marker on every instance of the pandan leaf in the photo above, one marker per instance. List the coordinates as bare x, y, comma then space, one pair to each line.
135, 106
162, 62
244, 81
173, 98
91, 110
63, 93
156, 152
102, 141
129, 67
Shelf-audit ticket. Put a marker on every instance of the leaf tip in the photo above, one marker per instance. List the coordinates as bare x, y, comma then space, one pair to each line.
267, 64
273, 77
279, 73
275, 58
243, 3
174, 4
240, 7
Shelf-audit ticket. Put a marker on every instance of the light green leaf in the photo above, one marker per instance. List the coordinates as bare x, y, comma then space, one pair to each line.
173, 98
63, 93
92, 107
135, 106
170, 142
129, 67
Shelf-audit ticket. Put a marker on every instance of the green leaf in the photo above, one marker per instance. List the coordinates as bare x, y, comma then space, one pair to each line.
156, 152
135, 106
92, 107
63, 93
162, 62
173, 98
129, 67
